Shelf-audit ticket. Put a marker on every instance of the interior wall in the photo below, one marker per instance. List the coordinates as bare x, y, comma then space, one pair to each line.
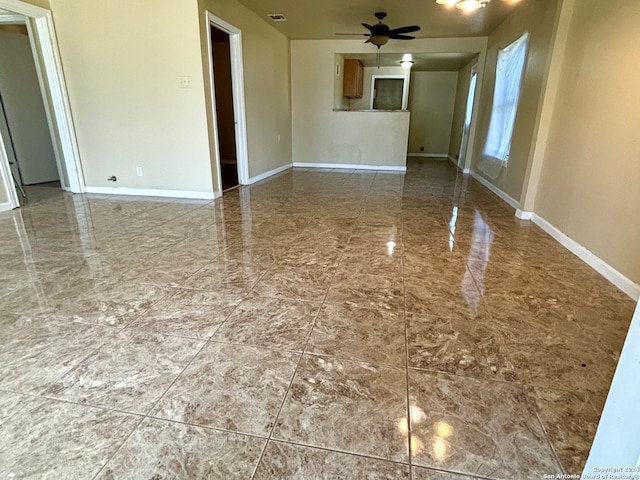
364, 103
590, 182
460, 109
431, 101
266, 82
122, 62
536, 17
24, 108
318, 131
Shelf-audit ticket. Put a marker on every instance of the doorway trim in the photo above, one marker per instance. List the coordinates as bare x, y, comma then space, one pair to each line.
237, 80
42, 37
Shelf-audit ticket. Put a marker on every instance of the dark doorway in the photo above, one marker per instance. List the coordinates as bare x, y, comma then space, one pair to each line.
223, 88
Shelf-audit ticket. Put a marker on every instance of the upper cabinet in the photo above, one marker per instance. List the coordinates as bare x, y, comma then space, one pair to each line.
353, 78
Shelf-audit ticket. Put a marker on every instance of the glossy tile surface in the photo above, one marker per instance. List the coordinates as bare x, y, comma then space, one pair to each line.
389, 325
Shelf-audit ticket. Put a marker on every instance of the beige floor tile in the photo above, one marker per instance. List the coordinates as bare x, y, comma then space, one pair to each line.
478, 427
348, 406
286, 461
160, 449
233, 387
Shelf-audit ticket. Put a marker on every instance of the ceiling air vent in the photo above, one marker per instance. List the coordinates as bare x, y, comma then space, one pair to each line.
277, 17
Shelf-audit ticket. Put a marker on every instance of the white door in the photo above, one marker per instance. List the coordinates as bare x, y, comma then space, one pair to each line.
467, 117
617, 441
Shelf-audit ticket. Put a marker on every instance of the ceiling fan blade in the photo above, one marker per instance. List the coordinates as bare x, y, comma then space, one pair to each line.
402, 37
407, 29
356, 34
367, 26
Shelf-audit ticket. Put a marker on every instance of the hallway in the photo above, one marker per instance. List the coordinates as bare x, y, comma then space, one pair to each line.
319, 324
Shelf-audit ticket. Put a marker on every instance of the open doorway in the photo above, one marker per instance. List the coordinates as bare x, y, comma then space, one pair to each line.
53, 97
23, 119
223, 98
228, 128
468, 115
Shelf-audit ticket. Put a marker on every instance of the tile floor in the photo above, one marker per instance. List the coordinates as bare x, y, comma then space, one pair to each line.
320, 324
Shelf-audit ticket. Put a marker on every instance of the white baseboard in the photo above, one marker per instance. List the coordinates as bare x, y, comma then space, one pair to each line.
510, 200
270, 173
524, 215
452, 160
392, 168
466, 171
5, 206
144, 192
603, 268
422, 154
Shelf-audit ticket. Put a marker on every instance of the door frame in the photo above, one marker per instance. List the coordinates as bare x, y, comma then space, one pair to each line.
465, 142
237, 80
42, 37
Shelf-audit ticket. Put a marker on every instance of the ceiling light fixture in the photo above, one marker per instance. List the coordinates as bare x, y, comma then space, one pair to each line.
406, 63
466, 5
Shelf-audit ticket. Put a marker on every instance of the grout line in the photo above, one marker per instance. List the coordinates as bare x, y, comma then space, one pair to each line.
406, 364
284, 399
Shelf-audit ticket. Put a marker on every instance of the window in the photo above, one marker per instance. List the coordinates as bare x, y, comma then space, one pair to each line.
509, 72
389, 92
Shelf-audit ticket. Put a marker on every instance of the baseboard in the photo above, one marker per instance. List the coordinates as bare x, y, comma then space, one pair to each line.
144, 192
392, 168
510, 200
5, 206
603, 268
524, 215
453, 160
270, 173
422, 154
466, 171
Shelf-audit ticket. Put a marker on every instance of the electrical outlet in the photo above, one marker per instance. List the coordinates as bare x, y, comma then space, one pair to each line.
139, 171
422, 149
185, 81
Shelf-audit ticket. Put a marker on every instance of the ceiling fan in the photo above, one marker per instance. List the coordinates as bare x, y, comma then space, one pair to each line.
379, 34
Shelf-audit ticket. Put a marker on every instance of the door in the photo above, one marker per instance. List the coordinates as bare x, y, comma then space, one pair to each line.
28, 133
467, 117
225, 118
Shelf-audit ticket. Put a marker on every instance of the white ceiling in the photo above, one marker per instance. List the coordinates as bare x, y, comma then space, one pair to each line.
321, 19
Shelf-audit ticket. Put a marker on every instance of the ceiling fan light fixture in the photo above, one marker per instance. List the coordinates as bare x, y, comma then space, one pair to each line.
447, 2
378, 40
406, 63
471, 5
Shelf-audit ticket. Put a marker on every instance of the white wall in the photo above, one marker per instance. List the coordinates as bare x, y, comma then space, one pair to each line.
25, 112
617, 443
122, 61
431, 101
318, 131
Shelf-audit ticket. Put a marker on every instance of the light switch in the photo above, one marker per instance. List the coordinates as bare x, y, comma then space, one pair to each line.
185, 81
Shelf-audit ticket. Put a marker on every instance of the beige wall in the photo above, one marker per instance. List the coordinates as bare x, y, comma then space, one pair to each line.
122, 61
266, 81
536, 17
317, 130
590, 183
431, 101
460, 108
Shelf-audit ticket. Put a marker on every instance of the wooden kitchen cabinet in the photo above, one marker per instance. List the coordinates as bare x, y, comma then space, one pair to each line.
353, 78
